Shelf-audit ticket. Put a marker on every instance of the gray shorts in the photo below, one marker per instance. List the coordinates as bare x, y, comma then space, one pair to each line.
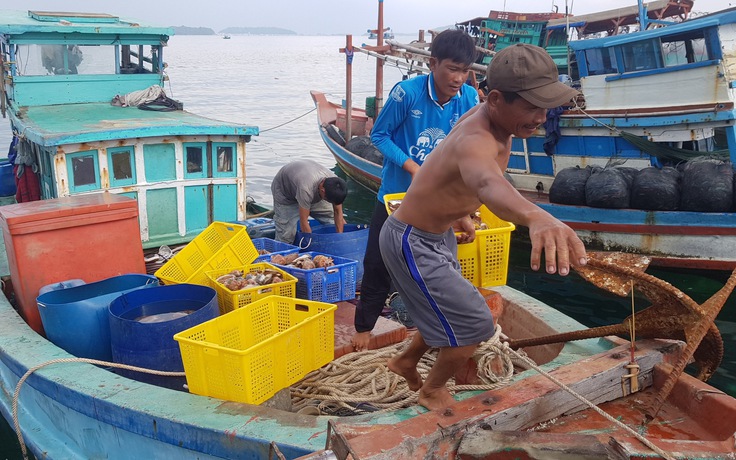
446, 308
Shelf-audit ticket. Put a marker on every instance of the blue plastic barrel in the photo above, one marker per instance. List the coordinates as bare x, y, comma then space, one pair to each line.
349, 244
7, 179
143, 324
75, 318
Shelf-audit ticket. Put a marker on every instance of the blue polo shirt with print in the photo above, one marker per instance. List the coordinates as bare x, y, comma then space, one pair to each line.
411, 124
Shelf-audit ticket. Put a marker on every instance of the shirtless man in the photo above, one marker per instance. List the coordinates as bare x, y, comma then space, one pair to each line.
418, 243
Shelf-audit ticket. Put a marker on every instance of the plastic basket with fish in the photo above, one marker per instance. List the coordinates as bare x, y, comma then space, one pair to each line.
251, 353
330, 283
267, 247
238, 291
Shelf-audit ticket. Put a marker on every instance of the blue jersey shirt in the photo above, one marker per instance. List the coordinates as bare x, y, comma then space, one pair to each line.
411, 124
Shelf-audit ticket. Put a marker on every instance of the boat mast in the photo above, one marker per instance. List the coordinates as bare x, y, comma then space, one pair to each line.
379, 62
567, 36
348, 86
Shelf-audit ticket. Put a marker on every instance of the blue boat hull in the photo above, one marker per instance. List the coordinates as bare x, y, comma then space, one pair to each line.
78, 410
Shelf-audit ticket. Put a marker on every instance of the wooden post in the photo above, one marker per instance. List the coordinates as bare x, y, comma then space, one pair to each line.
379, 62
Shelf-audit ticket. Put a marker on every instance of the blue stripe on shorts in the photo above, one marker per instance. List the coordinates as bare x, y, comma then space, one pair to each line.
417, 276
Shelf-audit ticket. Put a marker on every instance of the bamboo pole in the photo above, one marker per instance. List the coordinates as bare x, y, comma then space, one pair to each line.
423, 52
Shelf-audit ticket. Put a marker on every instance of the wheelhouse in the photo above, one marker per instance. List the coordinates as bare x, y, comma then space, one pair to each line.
61, 73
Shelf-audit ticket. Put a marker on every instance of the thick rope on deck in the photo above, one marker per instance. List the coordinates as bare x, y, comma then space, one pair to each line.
361, 382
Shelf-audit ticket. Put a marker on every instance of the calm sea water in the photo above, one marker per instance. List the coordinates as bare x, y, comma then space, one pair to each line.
265, 81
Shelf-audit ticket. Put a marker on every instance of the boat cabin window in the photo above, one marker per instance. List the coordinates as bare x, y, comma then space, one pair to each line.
73, 59
194, 159
194, 156
684, 49
642, 55
224, 159
139, 59
600, 61
82, 170
656, 53
120, 163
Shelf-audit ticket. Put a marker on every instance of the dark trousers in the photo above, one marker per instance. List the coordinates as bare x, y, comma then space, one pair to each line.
376, 280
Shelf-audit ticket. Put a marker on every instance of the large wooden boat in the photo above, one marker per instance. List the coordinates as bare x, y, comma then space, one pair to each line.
632, 114
67, 408
59, 74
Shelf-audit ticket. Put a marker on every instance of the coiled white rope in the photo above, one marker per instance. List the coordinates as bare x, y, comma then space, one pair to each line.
361, 382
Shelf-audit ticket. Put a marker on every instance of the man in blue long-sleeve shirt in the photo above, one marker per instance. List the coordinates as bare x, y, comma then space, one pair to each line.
417, 116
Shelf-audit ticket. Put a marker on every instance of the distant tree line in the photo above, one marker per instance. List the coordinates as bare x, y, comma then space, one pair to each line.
258, 31
184, 30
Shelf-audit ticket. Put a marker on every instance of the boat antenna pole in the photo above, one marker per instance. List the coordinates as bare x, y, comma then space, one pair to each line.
349, 52
643, 19
567, 37
379, 62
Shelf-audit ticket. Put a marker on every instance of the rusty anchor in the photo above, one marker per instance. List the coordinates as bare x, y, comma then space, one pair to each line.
671, 315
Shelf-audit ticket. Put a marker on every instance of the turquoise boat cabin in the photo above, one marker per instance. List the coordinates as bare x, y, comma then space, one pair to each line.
60, 74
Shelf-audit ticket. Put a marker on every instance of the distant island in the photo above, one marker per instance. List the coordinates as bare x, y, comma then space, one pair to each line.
258, 31
184, 30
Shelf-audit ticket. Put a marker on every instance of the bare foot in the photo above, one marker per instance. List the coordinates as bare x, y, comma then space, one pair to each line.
408, 371
361, 340
436, 399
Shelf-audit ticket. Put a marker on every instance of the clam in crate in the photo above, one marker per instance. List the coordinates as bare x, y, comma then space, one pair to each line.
331, 281
240, 286
251, 353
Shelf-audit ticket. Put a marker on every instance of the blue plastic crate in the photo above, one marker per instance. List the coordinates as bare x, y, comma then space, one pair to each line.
273, 247
330, 284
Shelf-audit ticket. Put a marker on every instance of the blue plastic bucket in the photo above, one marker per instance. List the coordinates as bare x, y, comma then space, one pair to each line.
61, 285
143, 324
349, 244
7, 179
75, 318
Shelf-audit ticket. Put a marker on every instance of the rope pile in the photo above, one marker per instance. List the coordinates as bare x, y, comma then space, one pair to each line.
361, 382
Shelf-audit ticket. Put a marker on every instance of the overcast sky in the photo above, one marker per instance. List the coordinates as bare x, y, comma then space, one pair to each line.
312, 17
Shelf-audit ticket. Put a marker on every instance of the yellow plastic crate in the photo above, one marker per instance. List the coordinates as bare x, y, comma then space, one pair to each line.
253, 352
232, 300
485, 261
220, 245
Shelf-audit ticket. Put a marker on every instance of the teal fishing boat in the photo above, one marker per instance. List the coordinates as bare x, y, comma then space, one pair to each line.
73, 87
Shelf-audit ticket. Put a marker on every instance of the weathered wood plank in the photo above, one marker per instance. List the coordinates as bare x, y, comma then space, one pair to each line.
530, 401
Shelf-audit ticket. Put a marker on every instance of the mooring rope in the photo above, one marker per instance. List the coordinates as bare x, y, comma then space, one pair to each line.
287, 122
98, 362
361, 382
